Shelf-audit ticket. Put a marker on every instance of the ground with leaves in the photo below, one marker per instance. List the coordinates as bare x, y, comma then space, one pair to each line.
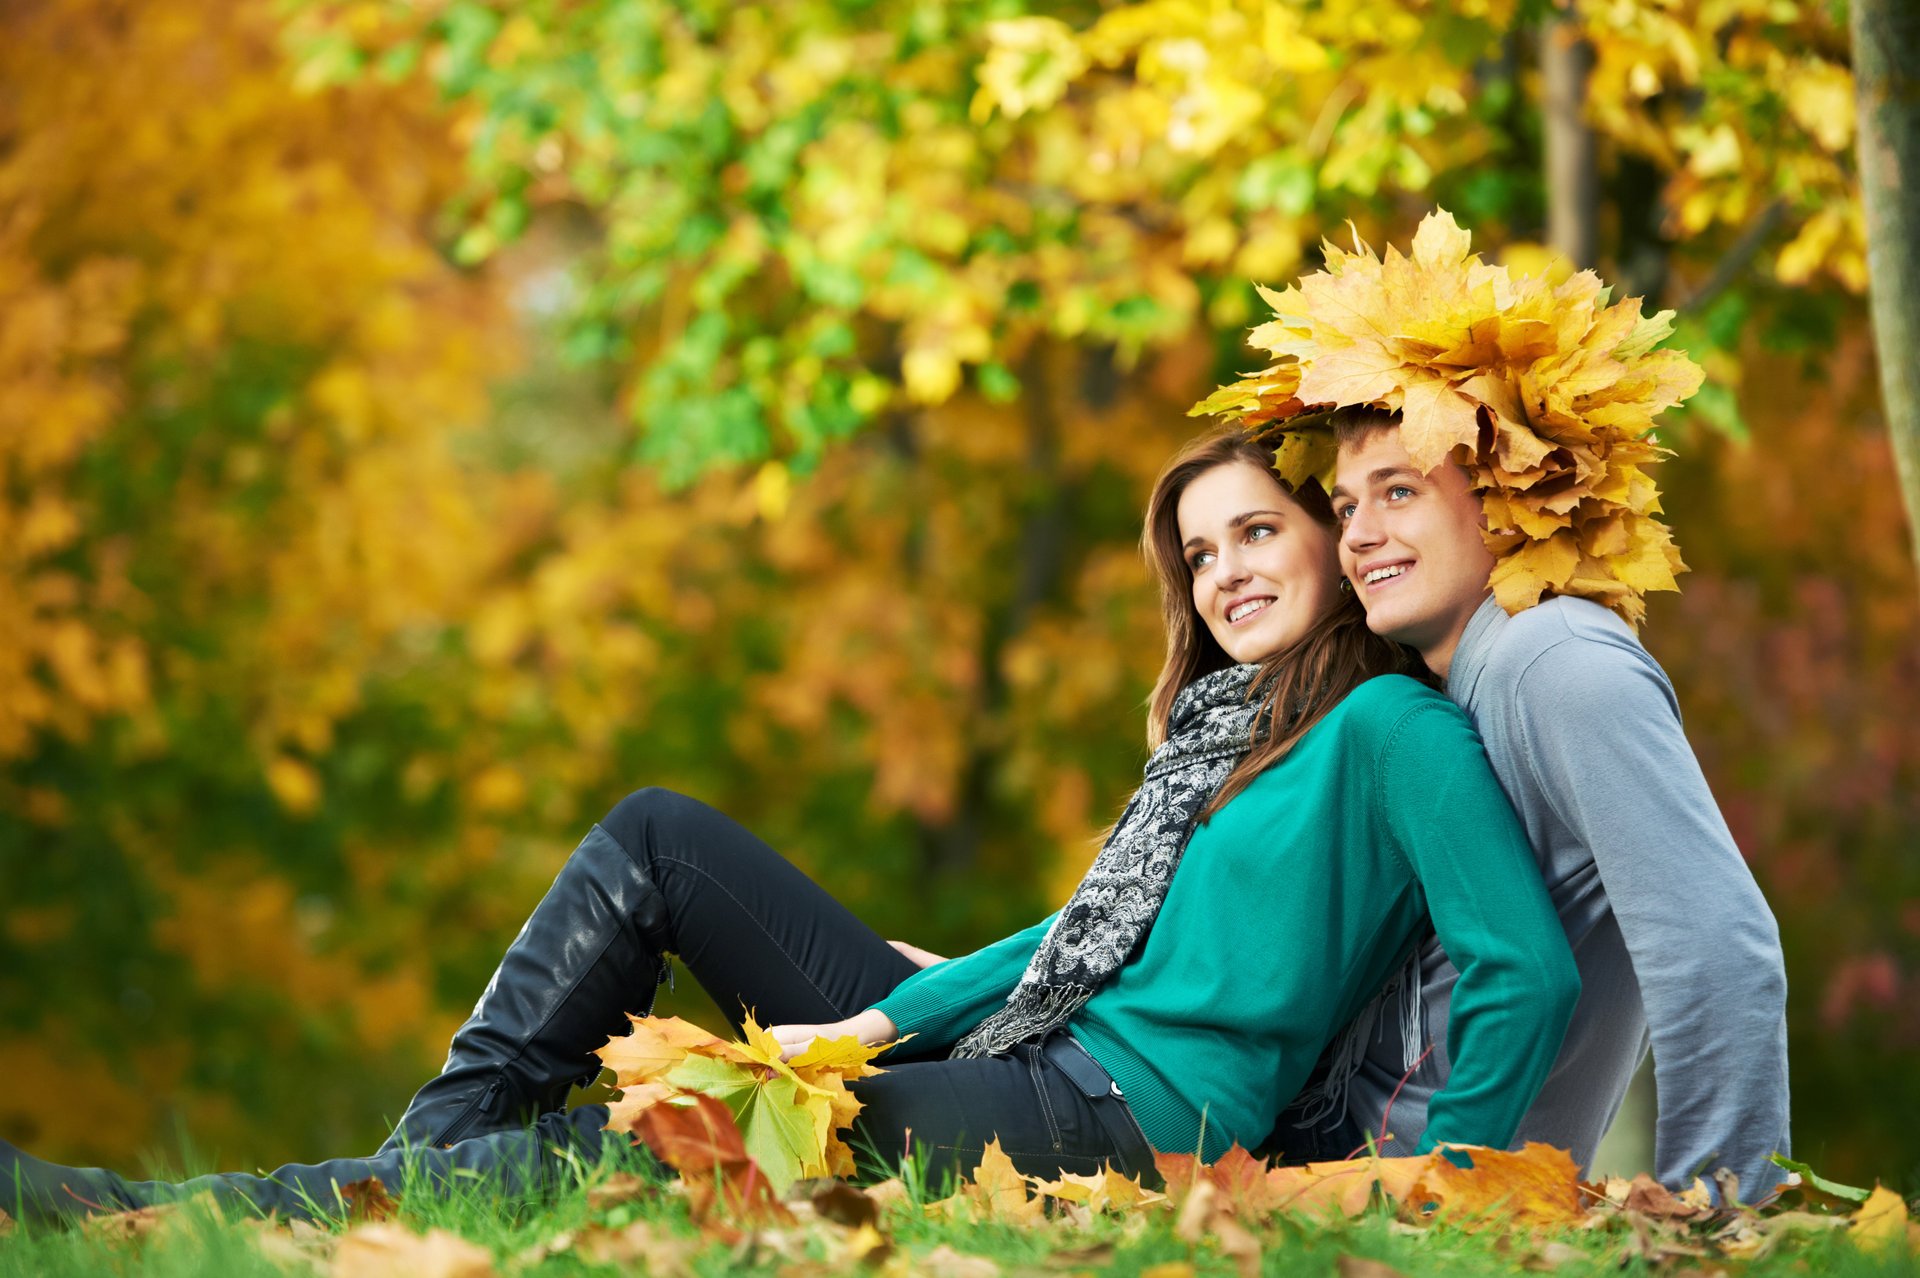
1371, 1218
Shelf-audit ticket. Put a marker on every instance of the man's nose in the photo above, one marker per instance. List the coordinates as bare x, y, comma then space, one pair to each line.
1359, 533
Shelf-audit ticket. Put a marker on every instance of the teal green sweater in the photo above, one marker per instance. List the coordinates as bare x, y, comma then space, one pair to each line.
1290, 909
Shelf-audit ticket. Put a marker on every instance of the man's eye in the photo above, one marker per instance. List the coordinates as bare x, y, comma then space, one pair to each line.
1398, 491
1343, 512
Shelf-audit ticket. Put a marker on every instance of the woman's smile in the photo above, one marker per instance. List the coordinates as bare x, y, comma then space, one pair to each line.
1263, 570
1245, 609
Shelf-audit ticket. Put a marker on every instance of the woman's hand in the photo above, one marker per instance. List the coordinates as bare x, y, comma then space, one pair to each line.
919, 957
869, 1027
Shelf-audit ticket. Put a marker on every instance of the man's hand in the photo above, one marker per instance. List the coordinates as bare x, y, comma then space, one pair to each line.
869, 1027
919, 957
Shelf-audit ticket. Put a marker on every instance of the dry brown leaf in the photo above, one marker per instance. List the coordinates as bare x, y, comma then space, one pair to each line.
1197, 1211
1550, 1255
1086, 1256
142, 1223
1240, 1179
845, 1204
619, 1188
1237, 1242
659, 1250
1650, 1198
888, 1193
388, 1250
368, 1201
288, 1243
6, 1224
1351, 1266
701, 1141
1539, 1185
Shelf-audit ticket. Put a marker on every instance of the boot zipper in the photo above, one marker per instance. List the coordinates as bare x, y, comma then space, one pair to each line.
480, 1105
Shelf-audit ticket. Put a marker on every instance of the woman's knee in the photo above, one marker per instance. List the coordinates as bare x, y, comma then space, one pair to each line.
652, 816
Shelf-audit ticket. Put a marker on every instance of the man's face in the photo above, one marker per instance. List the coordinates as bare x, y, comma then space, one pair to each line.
1410, 543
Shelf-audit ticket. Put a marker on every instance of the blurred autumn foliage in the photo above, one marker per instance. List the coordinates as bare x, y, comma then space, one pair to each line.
422, 423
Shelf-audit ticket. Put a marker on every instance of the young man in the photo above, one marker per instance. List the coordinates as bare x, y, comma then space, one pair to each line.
1672, 937
1487, 441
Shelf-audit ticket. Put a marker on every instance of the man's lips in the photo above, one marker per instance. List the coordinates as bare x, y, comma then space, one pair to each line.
1381, 574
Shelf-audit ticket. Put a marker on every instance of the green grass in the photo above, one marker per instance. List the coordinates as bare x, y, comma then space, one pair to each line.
196, 1241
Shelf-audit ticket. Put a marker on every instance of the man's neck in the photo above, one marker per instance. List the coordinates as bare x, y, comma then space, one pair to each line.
1439, 655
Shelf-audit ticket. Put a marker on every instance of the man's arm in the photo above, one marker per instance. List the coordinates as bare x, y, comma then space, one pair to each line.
1599, 726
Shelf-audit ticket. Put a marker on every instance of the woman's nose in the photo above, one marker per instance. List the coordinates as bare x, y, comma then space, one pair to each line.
1228, 570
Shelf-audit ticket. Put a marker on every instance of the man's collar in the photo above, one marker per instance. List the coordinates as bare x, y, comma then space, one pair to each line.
1470, 654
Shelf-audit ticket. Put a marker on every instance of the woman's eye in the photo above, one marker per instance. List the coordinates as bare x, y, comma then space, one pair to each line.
1199, 560
1259, 532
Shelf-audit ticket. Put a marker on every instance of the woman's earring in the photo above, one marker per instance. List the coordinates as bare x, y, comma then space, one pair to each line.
1346, 586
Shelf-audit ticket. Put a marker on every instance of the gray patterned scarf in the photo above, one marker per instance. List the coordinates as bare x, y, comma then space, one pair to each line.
1210, 727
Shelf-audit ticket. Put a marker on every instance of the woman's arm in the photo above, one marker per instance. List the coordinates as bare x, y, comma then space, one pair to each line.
1518, 984
939, 1004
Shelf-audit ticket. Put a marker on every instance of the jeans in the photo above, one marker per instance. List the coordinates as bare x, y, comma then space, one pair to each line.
760, 936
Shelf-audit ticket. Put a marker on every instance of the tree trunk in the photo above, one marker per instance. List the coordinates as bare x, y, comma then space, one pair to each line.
1573, 174
1886, 69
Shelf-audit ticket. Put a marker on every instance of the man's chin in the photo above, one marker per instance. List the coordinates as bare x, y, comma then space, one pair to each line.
1392, 623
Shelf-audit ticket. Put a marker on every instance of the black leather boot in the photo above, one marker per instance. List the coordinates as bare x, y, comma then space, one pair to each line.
593, 950
512, 1165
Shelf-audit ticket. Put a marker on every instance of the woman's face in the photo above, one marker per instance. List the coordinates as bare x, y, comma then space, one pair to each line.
1263, 569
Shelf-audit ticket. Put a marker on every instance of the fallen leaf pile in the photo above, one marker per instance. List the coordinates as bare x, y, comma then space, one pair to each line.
1531, 1203
756, 1142
1546, 394
789, 1114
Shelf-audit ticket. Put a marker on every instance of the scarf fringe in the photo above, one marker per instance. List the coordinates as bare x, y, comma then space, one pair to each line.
997, 1034
1326, 1104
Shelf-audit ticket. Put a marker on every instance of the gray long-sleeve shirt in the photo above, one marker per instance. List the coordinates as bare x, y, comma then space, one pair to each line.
1671, 934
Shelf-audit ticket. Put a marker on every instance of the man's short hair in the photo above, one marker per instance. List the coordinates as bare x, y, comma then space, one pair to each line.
1354, 426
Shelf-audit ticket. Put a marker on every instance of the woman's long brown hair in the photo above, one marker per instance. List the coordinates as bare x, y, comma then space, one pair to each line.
1312, 675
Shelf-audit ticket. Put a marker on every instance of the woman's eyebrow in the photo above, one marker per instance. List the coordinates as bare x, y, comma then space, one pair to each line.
1235, 522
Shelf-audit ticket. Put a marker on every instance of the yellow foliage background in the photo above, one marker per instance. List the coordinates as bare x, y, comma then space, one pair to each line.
346, 574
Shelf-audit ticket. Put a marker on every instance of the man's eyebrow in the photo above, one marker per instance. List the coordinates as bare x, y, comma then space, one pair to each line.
1389, 472
1235, 522
1381, 475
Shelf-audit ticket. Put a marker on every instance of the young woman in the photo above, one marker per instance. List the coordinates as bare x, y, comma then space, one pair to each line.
1304, 813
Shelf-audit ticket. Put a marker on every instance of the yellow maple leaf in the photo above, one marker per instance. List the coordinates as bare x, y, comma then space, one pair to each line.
996, 1191
1568, 381
1104, 1190
654, 1045
1881, 1221
1538, 1185
789, 1114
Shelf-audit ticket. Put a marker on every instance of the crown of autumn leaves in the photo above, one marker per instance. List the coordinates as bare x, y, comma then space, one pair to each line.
1546, 395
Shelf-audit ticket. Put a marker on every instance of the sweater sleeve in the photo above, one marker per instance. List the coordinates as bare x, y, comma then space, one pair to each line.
941, 1003
1615, 764
1518, 984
